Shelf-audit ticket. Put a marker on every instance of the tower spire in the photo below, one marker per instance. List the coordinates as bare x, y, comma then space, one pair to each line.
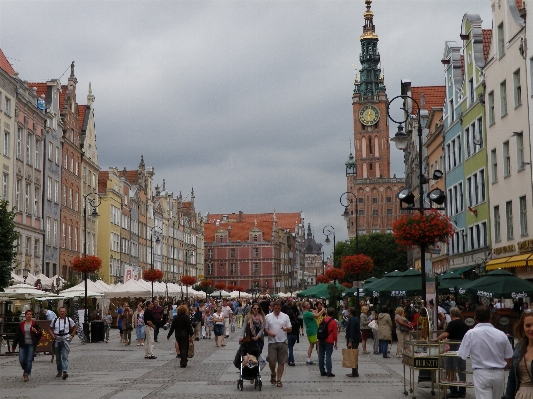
369, 28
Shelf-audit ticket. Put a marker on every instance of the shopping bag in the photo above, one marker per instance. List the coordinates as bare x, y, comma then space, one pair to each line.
350, 358
232, 327
191, 349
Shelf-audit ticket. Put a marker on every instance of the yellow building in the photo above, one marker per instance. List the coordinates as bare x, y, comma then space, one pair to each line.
109, 232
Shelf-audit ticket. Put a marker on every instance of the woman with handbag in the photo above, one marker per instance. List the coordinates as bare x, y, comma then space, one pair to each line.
127, 324
353, 333
27, 337
138, 324
184, 333
218, 320
254, 327
402, 330
366, 331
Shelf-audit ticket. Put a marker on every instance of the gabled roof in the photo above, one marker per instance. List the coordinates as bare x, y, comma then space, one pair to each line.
239, 230
41, 88
81, 115
5, 65
62, 96
288, 221
487, 37
433, 96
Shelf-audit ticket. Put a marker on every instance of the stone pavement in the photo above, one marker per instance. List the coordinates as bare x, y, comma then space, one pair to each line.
102, 371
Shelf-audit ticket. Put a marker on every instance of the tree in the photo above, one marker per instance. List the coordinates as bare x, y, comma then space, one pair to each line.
382, 248
8, 243
357, 267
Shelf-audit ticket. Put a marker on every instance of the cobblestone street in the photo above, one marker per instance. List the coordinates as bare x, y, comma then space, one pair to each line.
101, 371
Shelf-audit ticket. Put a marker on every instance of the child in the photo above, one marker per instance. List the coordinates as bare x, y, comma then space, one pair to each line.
249, 360
208, 323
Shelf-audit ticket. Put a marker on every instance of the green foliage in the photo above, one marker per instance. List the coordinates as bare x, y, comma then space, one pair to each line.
8, 243
382, 248
334, 295
72, 281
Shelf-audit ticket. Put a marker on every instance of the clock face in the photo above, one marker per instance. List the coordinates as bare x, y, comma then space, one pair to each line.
369, 115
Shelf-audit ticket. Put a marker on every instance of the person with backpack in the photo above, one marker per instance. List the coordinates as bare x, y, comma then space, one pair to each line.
327, 340
63, 330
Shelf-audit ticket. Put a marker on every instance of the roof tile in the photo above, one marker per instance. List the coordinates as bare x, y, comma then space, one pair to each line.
487, 37
5, 64
288, 221
239, 230
433, 95
81, 114
41, 88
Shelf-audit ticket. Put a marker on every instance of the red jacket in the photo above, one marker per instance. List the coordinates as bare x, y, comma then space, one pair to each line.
332, 330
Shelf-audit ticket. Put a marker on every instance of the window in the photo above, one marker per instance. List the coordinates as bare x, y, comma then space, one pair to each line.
509, 219
452, 111
494, 166
255, 268
65, 161
375, 212
57, 156
517, 89
5, 187
501, 41
389, 212
76, 203
36, 246
7, 142
469, 190
209, 268
64, 196
19, 143
28, 246
479, 137
36, 202
56, 229
471, 90
467, 142
48, 237
360, 200
492, 118
388, 200
70, 198
27, 198
49, 188
50, 151
29, 141
503, 98
255, 237
69, 242
506, 160
374, 200
233, 268
361, 212
482, 194
7, 109
75, 238
256, 252
523, 216
56, 191
232, 253
38, 144
519, 151
18, 187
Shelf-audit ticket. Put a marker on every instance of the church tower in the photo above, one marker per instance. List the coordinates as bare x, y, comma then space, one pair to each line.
369, 179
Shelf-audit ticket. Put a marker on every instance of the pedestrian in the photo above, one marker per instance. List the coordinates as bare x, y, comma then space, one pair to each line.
107, 319
490, 353
184, 333
62, 330
455, 332
384, 330
158, 315
519, 381
277, 325
402, 330
325, 347
310, 318
228, 313
149, 328
254, 327
218, 319
48, 314
292, 336
208, 323
138, 324
127, 324
363, 326
198, 320
120, 310
375, 336
353, 334
239, 311
27, 337
300, 318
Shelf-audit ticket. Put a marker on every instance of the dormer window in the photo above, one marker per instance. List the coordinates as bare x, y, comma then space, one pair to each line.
255, 237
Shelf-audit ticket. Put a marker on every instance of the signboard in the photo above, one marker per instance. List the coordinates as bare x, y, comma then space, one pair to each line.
431, 363
45, 344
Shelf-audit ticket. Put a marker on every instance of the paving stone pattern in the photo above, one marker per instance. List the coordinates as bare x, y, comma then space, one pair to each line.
105, 371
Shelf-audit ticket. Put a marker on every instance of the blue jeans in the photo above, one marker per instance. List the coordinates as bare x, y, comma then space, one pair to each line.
62, 351
325, 349
26, 358
139, 332
383, 346
292, 340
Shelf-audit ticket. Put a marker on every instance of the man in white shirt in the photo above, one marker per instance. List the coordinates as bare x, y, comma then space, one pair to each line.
62, 329
490, 352
276, 327
227, 312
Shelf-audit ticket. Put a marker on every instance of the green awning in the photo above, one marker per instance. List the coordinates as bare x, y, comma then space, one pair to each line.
461, 270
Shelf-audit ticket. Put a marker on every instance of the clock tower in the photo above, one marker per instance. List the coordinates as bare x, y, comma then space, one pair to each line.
370, 180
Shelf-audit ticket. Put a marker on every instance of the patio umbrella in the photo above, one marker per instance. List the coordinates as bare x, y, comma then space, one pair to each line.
323, 291
310, 290
448, 282
70, 293
376, 285
500, 284
221, 293
400, 284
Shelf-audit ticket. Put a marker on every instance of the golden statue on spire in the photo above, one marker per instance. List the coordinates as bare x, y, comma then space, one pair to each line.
368, 28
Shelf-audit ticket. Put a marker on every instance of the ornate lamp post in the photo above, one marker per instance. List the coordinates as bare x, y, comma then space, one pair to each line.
93, 203
58, 282
25, 273
157, 232
327, 231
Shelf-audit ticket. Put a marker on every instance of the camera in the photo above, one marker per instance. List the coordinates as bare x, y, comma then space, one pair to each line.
61, 332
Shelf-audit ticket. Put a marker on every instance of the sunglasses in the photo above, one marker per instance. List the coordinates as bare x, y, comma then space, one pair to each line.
255, 308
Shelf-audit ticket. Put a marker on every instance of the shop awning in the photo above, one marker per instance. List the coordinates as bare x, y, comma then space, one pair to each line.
496, 263
513, 261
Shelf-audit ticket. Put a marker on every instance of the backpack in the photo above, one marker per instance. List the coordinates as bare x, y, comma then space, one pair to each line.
322, 333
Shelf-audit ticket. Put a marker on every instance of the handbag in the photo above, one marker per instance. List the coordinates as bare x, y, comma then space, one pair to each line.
373, 325
404, 328
190, 354
350, 358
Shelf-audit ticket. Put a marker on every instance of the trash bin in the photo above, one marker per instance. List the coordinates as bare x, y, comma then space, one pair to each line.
97, 331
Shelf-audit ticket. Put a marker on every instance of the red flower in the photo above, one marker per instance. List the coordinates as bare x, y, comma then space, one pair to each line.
357, 264
322, 279
220, 286
334, 274
152, 274
426, 228
231, 287
86, 264
206, 283
347, 285
188, 280
240, 288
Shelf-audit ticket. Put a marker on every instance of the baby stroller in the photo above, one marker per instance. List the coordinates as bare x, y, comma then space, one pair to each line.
250, 372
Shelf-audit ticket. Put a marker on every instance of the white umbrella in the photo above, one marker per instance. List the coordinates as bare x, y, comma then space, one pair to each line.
25, 289
220, 293
70, 293
129, 288
16, 278
242, 294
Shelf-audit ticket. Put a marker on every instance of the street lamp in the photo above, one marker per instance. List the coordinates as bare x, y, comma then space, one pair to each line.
93, 203
157, 231
58, 282
25, 273
327, 231
405, 196
346, 216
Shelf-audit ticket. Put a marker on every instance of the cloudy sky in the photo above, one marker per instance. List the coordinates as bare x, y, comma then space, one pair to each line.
249, 102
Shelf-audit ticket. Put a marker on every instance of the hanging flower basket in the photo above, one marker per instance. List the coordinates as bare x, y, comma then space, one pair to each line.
334, 273
322, 279
427, 228
220, 286
188, 280
206, 283
152, 275
86, 264
357, 264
